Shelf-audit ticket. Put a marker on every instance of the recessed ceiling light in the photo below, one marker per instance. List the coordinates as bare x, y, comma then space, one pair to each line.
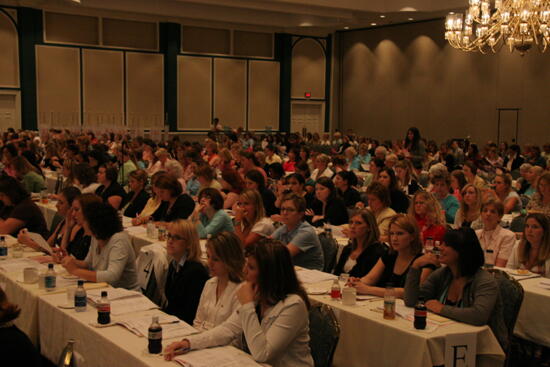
382, 16
411, 18
305, 24
373, 24
346, 27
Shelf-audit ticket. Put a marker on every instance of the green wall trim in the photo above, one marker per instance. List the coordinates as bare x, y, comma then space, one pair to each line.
170, 43
30, 34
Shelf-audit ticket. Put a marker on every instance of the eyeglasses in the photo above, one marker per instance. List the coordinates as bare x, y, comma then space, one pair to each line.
287, 209
174, 237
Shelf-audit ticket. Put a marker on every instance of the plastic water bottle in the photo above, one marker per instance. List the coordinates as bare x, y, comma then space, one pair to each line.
3, 248
50, 278
80, 301
335, 290
104, 309
155, 336
489, 258
420, 314
150, 228
389, 302
67, 356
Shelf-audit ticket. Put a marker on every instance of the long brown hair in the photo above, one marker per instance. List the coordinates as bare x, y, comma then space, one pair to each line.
228, 247
256, 199
525, 246
276, 275
407, 224
373, 232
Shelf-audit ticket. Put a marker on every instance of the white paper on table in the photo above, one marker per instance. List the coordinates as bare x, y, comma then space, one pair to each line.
133, 304
137, 230
113, 294
313, 276
545, 284
36, 237
337, 231
219, 357
17, 265
126, 222
172, 327
407, 313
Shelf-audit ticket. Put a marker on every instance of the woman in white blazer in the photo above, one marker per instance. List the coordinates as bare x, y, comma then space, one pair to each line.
272, 319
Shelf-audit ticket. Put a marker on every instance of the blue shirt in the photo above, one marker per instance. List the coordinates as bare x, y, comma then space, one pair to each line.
450, 205
220, 222
305, 238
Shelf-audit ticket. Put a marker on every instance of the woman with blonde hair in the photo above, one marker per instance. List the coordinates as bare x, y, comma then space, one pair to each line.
533, 251
403, 172
469, 213
226, 263
186, 273
321, 167
392, 267
251, 223
364, 250
427, 213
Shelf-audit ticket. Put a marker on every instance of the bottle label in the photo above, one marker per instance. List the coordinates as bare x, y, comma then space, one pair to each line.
80, 301
50, 281
3, 251
155, 335
420, 313
104, 308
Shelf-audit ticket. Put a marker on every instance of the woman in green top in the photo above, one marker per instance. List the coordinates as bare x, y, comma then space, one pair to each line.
209, 214
28, 175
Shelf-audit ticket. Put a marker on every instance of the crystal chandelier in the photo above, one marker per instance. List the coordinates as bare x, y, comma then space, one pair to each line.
519, 24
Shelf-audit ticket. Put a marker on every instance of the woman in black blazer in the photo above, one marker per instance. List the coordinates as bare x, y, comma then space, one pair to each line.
174, 205
399, 200
359, 257
186, 274
137, 198
328, 207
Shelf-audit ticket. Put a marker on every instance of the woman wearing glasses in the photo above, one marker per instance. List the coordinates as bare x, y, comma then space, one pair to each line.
186, 274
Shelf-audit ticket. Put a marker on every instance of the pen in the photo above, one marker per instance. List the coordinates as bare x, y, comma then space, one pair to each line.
169, 322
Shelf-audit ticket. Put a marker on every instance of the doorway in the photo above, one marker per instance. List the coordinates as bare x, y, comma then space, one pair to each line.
308, 115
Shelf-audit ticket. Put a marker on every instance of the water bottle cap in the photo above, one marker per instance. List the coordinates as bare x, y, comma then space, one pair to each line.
103, 293
50, 266
80, 283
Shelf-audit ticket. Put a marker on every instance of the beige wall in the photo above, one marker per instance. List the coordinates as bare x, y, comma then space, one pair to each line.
396, 77
194, 93
9, 57
308, 69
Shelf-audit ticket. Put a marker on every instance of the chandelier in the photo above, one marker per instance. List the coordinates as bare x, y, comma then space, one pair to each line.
518, 24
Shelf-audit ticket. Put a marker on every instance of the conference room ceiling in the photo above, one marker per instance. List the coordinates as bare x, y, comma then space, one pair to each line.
293, 16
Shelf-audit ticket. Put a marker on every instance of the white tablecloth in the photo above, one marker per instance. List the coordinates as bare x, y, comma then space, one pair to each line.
533, 321
367, 339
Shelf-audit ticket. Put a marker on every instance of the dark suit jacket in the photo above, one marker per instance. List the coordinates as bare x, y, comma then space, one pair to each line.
336, 212
182, 209
183, 290
136, 206
365, 261
518, 161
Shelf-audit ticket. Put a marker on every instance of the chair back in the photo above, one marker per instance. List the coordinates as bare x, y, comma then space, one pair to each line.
324, 333
152, 267
517, 224
330, 250
511, 293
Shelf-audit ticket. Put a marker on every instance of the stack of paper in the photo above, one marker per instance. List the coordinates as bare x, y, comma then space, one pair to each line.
313, 276
220, 357
123, 301
17, 265
172, 327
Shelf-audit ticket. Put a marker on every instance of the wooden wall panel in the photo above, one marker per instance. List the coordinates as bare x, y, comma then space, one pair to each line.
130, 33
253, 44
205, 40
144, 89
263, 95
194, 93
230, 92
308, 69
58, 85
71, 28
9, 57
103, 87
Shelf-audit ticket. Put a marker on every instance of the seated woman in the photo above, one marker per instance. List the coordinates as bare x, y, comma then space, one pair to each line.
407, 183
328, 207
458, 181
206, 176
24, 171
427, 214
360, 256
137, 198
233, 185
249, 163
174, 205
378, 197
209, 216
496, 242
321, 167
470, 172
255, 181
469, 213
63, 206
505, 193
533, 252
541, 199
152, 204
298, 235
109, 190
15, 345
449, 203
461, 290
272, 314
399, 201
186, 273
111, 257
251, 224
19, 211
85, 178
393, 266
345, 182
289, 165
226, 264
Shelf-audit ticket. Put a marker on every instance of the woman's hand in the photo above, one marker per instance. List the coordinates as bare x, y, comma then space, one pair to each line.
247, 293
175, 349
23, 237
360, 205
317, 218
310, 212
434, 306
238, 212
426, 259
352, 281
69, 263
362, 288
59, 254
